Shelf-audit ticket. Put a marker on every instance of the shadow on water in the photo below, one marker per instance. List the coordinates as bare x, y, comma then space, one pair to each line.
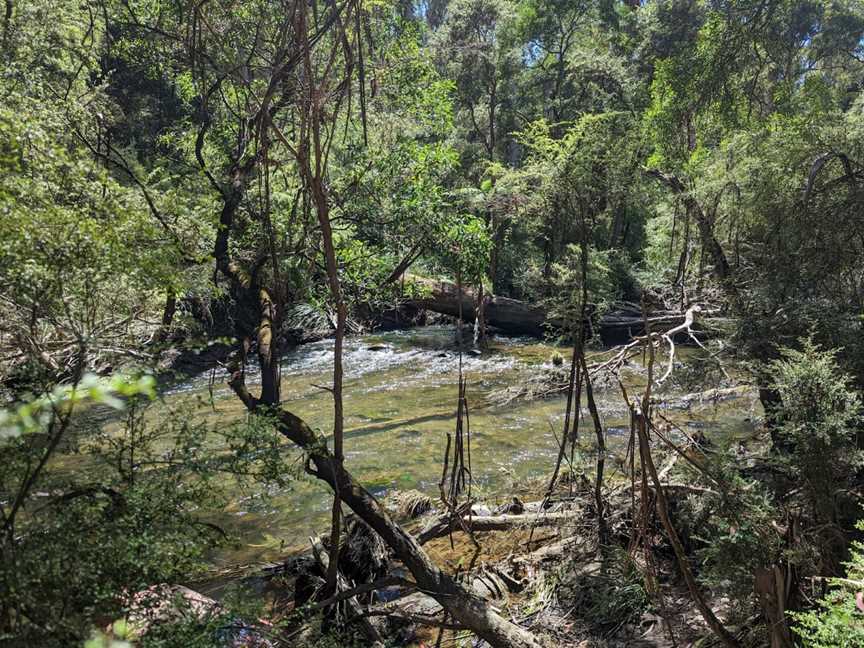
400, 397
353, 433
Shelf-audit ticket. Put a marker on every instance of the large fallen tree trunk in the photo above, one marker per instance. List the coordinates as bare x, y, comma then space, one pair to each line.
507, 314
513, 316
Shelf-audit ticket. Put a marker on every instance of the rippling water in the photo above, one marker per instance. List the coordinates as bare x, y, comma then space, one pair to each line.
400, 397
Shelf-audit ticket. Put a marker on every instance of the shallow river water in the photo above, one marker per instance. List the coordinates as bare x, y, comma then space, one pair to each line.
400, 398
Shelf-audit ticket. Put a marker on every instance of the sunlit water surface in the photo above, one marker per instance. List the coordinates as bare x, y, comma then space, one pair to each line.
400, 398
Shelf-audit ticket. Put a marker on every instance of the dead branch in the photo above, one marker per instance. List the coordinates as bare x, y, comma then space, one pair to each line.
442, 525
663, 511
365, 588
342, 585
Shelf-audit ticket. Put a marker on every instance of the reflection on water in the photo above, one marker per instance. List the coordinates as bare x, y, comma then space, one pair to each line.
400, 397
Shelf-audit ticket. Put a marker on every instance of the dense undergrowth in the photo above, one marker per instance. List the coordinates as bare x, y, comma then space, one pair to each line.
222, 180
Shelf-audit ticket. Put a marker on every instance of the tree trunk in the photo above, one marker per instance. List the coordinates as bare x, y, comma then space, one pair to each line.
709, 241
443, 525
506, 314
463, 606
770, 586
601, 453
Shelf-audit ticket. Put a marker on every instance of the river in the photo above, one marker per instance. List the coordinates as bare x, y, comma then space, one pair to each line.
400, 399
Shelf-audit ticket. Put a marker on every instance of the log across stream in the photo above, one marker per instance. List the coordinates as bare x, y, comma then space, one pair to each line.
400, 401
616, 326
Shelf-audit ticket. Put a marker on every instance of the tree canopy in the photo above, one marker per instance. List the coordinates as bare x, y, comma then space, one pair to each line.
198, 173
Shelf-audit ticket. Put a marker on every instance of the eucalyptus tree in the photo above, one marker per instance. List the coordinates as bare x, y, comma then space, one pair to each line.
477, 47
573, 63
725, 68
275, 86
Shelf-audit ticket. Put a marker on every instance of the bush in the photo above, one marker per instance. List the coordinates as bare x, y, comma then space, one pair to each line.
838, 621
817, 423
115, 510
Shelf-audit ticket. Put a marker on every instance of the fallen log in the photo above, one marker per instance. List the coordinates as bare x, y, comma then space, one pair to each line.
708, 396
513, 316
492, 585
510, 315
365, 588
442, 526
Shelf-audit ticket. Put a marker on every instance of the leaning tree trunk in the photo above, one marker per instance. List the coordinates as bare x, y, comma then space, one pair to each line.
465, 607
255, 321
704, 222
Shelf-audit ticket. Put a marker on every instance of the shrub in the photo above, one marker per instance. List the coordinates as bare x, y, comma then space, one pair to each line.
817, 420
838, 621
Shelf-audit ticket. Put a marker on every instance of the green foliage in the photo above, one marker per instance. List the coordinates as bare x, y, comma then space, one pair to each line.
605, 599
575, 187
837, 622
496, 140
37, 414
467, 247
130, 513
733, 534
818, 422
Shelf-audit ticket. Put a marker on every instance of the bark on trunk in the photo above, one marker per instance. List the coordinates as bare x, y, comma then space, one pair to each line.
517, 317
506, 314
770, 587
601, 453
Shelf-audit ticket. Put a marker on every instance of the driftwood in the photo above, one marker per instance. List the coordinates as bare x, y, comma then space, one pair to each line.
491, 585
443, 525
409, 504
365, 588
371, 632
711, 396
569, 546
